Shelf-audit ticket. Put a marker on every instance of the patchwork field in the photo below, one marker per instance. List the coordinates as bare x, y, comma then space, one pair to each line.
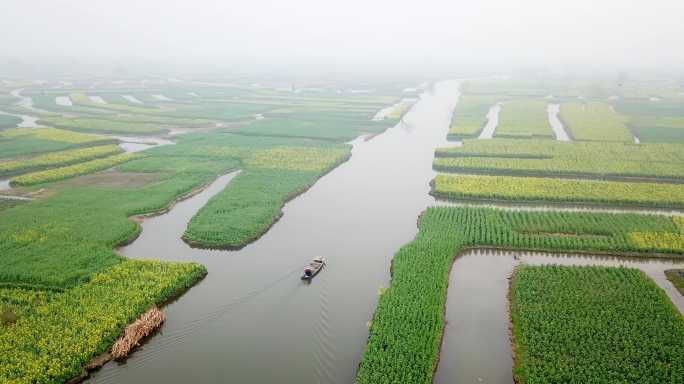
74, 194
408, 324
555, 159
601, 336
66, 294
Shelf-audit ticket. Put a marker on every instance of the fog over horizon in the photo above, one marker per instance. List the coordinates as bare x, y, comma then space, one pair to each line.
55, 37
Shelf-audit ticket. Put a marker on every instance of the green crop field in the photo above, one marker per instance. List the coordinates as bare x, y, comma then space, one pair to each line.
82, 100
55, 334
61, 173
58, 243
658, 129
534, 189
523, 119
54, 159
645, 107
46, 102
320, 128
253, 200
592, 325
594, 122
9, 203
470, 115
101, 126
538, 158
27, 141
408, 324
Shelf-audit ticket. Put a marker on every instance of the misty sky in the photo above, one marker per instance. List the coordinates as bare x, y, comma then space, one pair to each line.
491, 33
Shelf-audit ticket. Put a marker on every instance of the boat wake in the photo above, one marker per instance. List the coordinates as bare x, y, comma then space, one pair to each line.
324, 352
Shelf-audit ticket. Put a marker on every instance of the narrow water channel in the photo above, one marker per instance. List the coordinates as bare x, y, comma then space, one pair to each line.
132, 99
97, 99
26, 120
26, 102
492, 122
137, 144
476, 346
64, 101
556, 124
252, 320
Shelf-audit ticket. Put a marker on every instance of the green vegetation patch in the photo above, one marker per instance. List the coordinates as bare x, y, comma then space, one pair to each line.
331, 128
524, 119
551, 158
9, 203
101, 126
298, 158
470, 115
54, 159
536, 189
27, 141
253, 200
658, 129
407, 328
594, 121
594, 324
221, 111
646, 107
62, 173
54, 335
58, 242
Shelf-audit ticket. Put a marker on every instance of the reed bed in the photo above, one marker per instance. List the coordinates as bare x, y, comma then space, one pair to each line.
134, 333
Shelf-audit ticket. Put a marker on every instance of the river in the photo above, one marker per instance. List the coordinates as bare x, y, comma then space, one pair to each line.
252, 320
476, 346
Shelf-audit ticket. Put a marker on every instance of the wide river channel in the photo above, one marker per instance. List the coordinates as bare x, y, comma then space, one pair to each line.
252, 320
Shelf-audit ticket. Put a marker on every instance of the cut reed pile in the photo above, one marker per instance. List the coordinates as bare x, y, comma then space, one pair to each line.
134, 333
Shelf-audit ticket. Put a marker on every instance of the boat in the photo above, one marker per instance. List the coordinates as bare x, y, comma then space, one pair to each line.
313, 268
